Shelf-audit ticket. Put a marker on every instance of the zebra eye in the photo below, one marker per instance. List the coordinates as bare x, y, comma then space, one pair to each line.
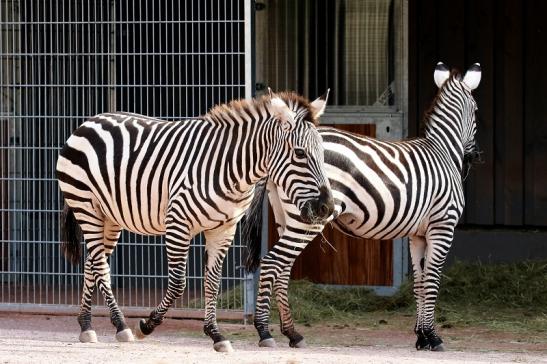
300, 153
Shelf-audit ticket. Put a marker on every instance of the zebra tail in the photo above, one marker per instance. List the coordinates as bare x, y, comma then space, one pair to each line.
252, 227
71, 235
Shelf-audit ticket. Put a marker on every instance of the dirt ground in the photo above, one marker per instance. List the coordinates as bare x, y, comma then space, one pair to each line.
54, 339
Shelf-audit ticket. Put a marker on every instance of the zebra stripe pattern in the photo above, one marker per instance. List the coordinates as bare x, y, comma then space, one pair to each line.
384, 190
127, 171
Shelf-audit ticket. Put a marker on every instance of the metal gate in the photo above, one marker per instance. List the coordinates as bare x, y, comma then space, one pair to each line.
65, 60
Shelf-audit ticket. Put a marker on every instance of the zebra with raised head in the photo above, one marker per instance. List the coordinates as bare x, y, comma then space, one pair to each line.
127, 171
383, 190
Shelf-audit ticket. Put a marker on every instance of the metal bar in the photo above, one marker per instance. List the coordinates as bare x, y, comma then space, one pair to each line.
125, 22
64, 310
248, 46
107, 54
120, 275
249, 293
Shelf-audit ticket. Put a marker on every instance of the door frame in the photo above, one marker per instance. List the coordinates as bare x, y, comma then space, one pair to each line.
391, 124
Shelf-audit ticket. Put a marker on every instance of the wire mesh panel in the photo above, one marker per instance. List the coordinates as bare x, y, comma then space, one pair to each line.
65, 60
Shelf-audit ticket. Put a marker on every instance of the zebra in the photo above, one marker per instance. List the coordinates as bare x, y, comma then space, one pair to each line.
382, 190
153, 177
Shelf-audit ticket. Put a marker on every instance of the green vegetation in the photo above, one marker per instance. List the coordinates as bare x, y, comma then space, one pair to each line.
508, 297
500, 296
502, 285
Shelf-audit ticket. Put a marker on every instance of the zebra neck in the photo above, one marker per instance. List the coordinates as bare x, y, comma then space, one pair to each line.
245, 145
446, 134
257, 149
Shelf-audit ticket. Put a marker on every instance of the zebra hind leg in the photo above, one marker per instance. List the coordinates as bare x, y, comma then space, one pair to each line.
437, 249
102, 279
417, 252
100, 236
123, 333
177, 242
287, 324
87, 334
217, 244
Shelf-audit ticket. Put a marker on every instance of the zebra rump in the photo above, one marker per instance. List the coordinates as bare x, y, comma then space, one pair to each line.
71, 236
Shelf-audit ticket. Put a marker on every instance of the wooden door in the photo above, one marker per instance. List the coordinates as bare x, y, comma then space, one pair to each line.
349, 261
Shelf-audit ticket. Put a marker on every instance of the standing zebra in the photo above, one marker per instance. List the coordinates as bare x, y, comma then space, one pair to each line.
126, 171
383, 190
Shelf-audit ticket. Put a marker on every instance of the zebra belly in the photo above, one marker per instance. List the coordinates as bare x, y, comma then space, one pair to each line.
362, 219
137, 220
213, 211
347, 224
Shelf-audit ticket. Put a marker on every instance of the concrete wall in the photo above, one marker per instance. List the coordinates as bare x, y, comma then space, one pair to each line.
497, 245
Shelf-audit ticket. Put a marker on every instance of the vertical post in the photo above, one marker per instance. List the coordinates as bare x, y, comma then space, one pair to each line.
400, 262
249, 47
400, 246
249, 297
401, 61
112, 105
250, 285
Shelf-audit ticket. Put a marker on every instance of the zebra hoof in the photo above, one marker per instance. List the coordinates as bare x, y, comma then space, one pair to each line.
439, 347
125, 336
89, 336
422, 343
298, 345
223, 346
267, 343
138, 332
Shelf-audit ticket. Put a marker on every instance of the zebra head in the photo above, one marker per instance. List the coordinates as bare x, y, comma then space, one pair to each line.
296, 162
459, 89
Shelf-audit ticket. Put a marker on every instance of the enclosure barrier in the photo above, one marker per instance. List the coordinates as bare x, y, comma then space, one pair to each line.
62, 61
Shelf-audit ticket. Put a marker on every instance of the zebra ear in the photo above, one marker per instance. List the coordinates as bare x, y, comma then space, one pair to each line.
319, 104
281, 112
441, 74
472, 77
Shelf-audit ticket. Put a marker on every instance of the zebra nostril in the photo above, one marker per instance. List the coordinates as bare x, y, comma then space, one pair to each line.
325, 210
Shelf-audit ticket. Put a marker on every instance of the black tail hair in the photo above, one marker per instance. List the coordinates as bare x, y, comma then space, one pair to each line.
71, 236
252, 227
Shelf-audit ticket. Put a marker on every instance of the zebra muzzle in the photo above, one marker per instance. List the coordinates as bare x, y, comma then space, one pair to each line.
319, 209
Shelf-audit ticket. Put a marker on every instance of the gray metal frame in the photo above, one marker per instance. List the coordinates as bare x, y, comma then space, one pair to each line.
63, 61
391, 124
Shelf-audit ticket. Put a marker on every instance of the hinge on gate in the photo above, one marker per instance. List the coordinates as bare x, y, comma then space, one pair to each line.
259, 6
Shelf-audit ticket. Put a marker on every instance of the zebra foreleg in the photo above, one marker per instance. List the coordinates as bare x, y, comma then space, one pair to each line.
217, 245
87, 334
269, 270
281, 286
177, 241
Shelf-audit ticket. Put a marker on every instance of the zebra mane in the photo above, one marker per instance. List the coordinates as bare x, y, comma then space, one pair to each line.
454, 74
294, 101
